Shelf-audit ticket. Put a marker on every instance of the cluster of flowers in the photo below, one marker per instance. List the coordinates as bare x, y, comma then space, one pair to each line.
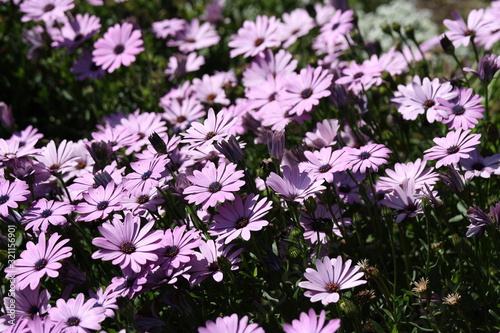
200, 164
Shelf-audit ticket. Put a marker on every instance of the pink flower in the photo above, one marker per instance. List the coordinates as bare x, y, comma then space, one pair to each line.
255, 37
294, 185
47, 10
324, 135
118, 47
310, 323
268, 63
462, 112
404, 200
100, 202
75, 32
77, 316
182, 113
127, 244
330, 276
180, 64
366, 157
238, 218
194, 36
39, 260
57, 160
46, 212
450, 149
209, 89
230, 324
461, 33
214, 184
323, 163
362, 77
177, 247
11, 194
412, 170
295, 24
169, 27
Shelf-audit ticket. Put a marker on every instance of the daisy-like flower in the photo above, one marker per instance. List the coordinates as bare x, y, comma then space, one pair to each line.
330, 276
39, 260
404, 200
462, 112
209, 90
169, 27
177, 247
57, 160
209, 259
180, 64
255, 37
230, 324
105, 299
47, 10
310, 323
323, 163
324, 135
29, 303
294, 185
268, 63
450, 149
11, 194
239, 218
214, 128
118, 47
143, 200
147, 173
295, 24
130, 284
194, 36
46, 212
479, 166
304, 91
118, 137
366, 157
361, 77
143, 124
182, 113
412, 170
77, 316
214, 184
461, 33
340, 23
317, 225
100, 202
13, 149
127, 244
85, 67
75, 32
420, 97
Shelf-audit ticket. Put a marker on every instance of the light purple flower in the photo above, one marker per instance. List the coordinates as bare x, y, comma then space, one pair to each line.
320, 223
38, 260
29, 303
463, 111
85, 67
450, 149
194, 36
404, 200
77, 316
255, 37
323, 163
479, 166
169, 27
117, 47
310, 323
210, 90
294, 185
181, 113
46, 212
324, 135
75, 32
100, 202
411, 170
180, 64
177, 247
359, 78
47, 10
370, 156
11, 194
461, 33
147, 173
268, 63
105, 299
127, 244
230, 324
57, 160
295, 24
330, 276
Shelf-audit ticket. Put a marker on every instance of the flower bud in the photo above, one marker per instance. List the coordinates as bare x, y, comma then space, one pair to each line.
158, 144
447, 45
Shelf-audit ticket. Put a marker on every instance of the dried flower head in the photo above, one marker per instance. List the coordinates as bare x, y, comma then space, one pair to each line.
420, 286
452, 299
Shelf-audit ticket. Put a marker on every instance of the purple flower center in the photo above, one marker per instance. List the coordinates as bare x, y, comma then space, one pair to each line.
78, 38
411, 207
119, 49
319, 225
344, 188
429, 104
40, 264
335, 26
458, 110
215, 187
48, 8
241, 222
210, 135
4, 199
146, 175
306, 93
171, 251
213, 266
258, 41
478, 166
127, 247
33, 311
365, 155
46, 213
272, 97
332, 287
324, 168
142, 199
453, 149
102, 205
358, 75
73, 321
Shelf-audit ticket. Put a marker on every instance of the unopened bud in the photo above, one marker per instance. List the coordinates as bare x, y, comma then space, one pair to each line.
347, 306
447, 45
101, 152
158, 144
230, 149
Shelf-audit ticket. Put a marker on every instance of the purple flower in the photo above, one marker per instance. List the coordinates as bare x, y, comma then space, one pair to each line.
463, 111
143, 124
304, 91
169, 27
180, 64
105, 299
450, 149
412, 170
130, 284
57, 160
147, 173
127, 244
230, 324
210, 90
11, 194
294, 185
194, 36
182, 113
323, 163
85, 68
75, 32
46, 212
310, 323
366, 157
268, 63
177, 247
118, 47
479, 166
239, 218
330, 276
29, 303
320, 223
38, 260
324, 135
359, 78
461, 33
255, 37
479, 220
47, 10
404, 200
77, 316
214, 184
295, 24
100, 202
143, 200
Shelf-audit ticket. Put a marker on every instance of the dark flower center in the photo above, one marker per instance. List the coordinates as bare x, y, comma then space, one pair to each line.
213, 266
33, 311
4, 199
344, 188
102, 205
94, 67
358, 75
48, 8
458, 110
272, 97
210, 135
171, 251
365, 155
191, 40
113, 143
452, 149
478, 166
411, 207
95, 185
78, 38
146, 175
215, 187
73, 321
211, 97
241, 222
319, 224
119, 49
54, 167
468, 32
141, 135
46, 213
429, 104
332, 287
258, 41
40, 264
81, 164
306, 93
142, 199
335, 26
181, 119
325, 168
127, 247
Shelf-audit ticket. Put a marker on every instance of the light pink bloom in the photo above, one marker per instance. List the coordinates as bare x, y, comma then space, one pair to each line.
77, 316
462, 112
450, 149
268, 63
324, 135
47, 10
460, 32
194, 36
230, 324
255, 37
366, 157
294, 185
295, 24
310, 323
